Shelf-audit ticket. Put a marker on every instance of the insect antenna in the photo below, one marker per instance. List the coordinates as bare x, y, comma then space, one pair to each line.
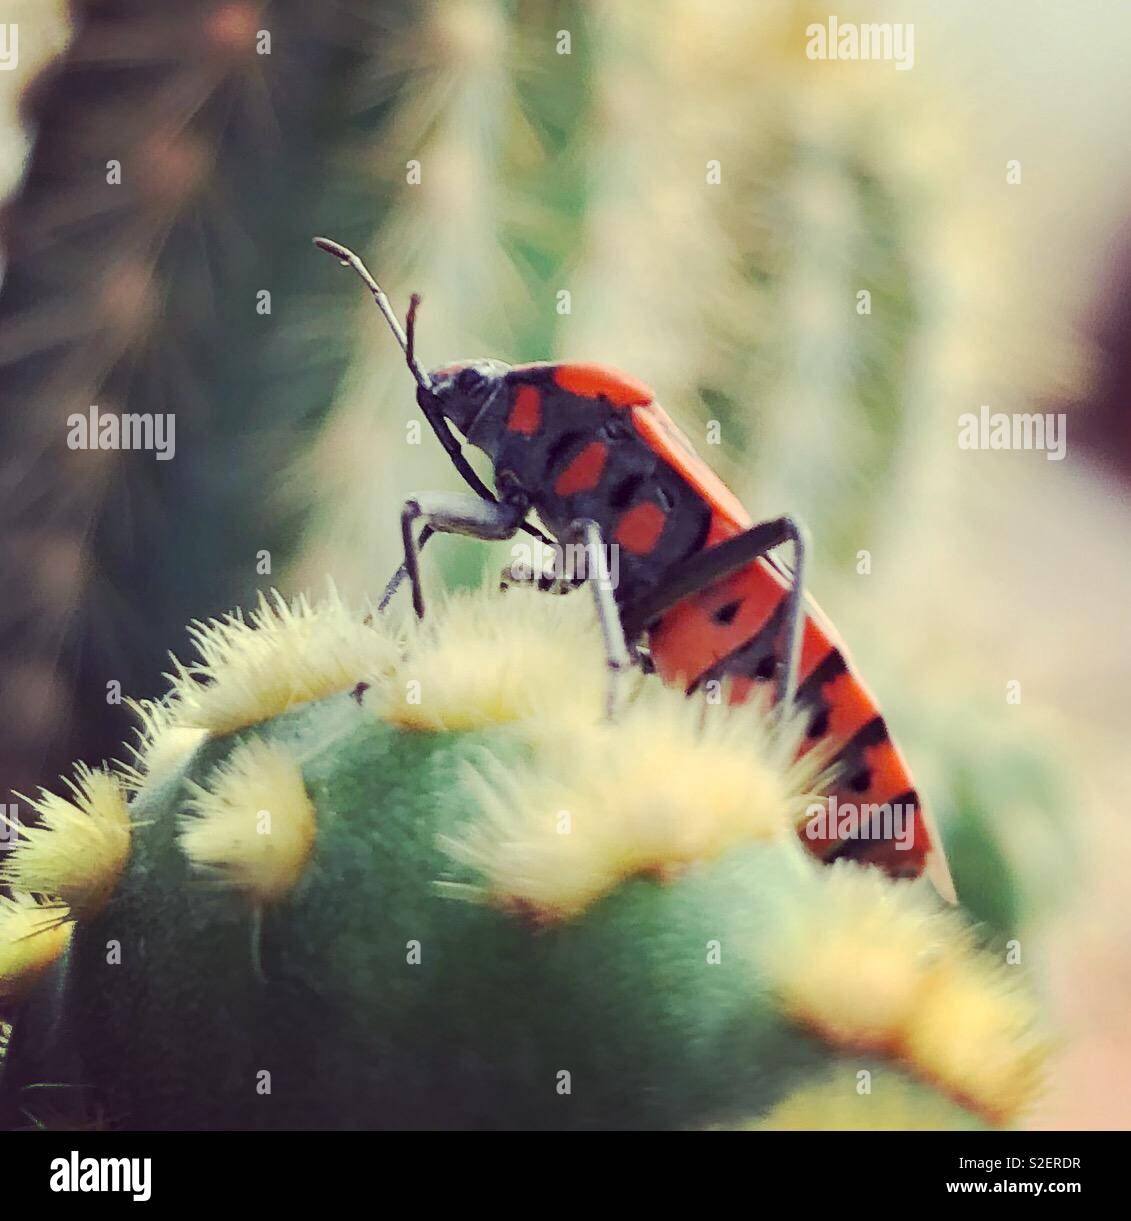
428, 404
410, 328
347, 258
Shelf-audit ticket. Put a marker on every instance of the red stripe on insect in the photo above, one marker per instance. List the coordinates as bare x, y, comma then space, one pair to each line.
658, 430
887, 774
849, 705
593, 381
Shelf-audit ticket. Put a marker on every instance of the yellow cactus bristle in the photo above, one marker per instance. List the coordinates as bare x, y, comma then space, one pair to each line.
672, 782
870, 965
32, 936
836, 1103
252, 828
975, 1033
164, 746
851, 960
481, 659
79, 847
284, 654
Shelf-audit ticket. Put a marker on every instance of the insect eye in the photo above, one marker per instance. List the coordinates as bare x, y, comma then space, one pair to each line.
470, 382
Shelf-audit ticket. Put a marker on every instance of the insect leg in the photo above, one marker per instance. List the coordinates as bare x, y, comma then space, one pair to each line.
544, 582
706, 568
507, 577
795, 613
449, 513
617, 658
394, 582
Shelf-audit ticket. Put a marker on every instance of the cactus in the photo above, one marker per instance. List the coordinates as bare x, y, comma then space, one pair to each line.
182, 152
387, 876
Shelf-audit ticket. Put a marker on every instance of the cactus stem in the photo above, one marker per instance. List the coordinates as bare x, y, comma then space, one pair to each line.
256, 928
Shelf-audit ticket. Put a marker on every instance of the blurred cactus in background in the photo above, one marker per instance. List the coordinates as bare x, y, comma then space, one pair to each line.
158, 261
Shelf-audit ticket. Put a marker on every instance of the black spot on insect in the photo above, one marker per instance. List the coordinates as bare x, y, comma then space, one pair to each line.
861, 782
614, 430
359, 691
724, 616
470, 381
621, 495
819, 725
764, 670
562, 446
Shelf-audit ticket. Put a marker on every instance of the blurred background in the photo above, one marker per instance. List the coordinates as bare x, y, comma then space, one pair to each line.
712, 202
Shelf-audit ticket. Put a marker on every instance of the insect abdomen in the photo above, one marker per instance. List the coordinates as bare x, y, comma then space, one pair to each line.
734, 631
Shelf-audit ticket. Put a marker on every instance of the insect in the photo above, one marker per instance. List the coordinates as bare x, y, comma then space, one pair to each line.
601, 463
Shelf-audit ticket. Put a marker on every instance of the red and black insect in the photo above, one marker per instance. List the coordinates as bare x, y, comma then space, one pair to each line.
598, 459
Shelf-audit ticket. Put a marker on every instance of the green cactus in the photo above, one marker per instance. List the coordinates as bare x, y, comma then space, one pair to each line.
455, 897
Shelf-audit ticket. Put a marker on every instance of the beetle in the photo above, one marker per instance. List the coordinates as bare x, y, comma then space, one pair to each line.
603, 465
